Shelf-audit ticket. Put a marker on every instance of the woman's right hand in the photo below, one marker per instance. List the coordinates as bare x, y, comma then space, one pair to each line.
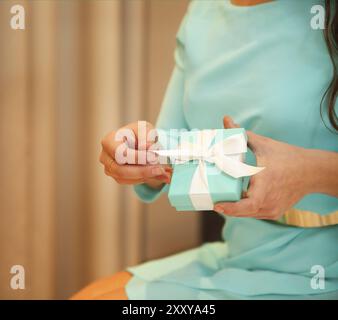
126, 168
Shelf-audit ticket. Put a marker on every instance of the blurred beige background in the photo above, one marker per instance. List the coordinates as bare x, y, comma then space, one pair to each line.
79, 70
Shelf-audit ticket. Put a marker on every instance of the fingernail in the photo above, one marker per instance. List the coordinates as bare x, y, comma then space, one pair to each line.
163, 178
157, 171
168, 177
168, 169
219, 209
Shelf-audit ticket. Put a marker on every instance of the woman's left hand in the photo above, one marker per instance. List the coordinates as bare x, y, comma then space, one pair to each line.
278, 187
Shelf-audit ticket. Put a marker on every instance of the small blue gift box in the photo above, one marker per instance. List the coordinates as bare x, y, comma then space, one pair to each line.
219, 187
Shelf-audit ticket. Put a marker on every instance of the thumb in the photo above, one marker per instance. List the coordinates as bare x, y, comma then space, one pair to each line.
255, 141
228, 123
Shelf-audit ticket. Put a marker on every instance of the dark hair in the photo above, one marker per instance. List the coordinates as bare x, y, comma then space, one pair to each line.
331, 38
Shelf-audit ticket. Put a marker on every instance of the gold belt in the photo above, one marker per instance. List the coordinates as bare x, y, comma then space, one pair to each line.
308, 219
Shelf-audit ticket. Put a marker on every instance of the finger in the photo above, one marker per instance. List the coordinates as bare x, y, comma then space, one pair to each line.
137, 172
166, 178
123, 154
131, 172
126, 155
228, 123
113, 166
119, 151
161, 178
141, 135
110, 144
121, 146
243, 208
126, 147
123, 181
250, 206
256, 142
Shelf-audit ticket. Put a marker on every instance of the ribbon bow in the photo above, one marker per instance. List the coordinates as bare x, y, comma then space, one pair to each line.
226, 155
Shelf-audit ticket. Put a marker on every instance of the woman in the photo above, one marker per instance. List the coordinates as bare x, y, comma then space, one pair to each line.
262, 64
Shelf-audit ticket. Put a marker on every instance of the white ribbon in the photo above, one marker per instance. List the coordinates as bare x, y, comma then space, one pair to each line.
226, 155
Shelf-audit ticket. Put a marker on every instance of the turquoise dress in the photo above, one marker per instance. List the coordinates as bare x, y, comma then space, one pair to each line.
268, 69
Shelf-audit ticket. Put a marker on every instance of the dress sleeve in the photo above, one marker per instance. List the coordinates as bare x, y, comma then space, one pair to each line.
171, 115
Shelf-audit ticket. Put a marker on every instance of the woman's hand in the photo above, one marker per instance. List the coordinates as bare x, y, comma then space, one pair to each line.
283, 182
122, 152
